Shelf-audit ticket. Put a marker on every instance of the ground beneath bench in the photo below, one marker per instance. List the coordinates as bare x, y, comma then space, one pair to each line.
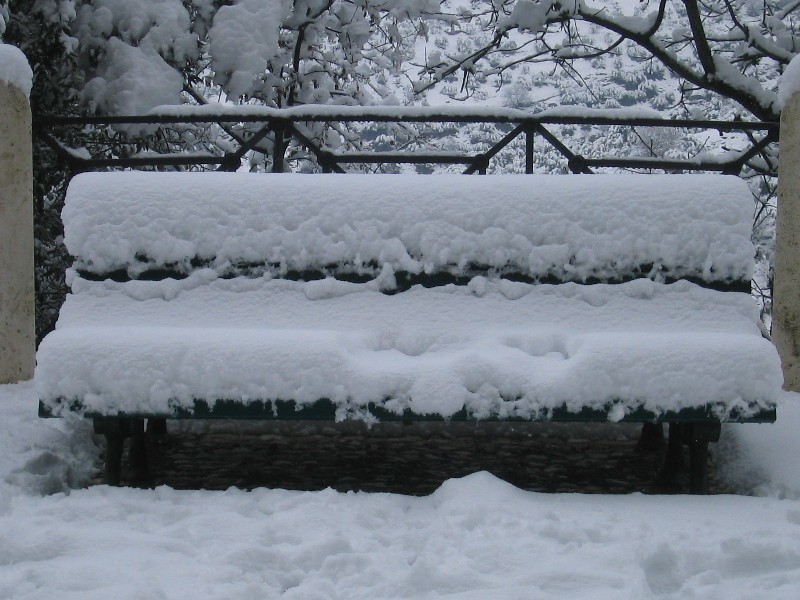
410, 459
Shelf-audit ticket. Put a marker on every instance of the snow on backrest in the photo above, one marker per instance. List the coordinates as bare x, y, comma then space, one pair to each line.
570, 227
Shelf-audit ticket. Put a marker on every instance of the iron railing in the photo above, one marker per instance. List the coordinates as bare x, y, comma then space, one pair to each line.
249, 127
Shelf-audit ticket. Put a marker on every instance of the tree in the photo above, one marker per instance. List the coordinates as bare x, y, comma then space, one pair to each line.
133, 55
728, 56
735, 49
129, 56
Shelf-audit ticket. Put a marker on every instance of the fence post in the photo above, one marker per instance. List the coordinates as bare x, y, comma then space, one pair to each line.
786, 284
17, 330
529, 133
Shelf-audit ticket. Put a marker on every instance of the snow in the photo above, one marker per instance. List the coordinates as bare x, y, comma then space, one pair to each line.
600, 114
474, 538
243, 39
40, 457
526, 15
728, 73
493, 347
329, 110
160, 27
133, 80
14, 68
567, 227
400, 113
765, 458
135, 42
789, 83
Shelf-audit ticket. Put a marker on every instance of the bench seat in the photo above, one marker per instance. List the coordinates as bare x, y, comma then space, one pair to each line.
496, 348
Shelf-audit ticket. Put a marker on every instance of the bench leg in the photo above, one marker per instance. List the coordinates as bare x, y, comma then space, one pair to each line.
140, 473
674, 465
115, 431
113, 466
700, 435
698, 467
652, 437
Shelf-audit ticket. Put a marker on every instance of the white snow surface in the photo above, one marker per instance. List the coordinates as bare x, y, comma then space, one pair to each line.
571, 227
14, 68
474, 538
447, 111
494, 347
789, 83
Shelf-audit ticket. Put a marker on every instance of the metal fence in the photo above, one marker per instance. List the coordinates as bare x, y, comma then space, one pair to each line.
273, 131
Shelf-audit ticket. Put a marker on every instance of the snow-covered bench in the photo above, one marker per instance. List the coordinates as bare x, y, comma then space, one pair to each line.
371, 297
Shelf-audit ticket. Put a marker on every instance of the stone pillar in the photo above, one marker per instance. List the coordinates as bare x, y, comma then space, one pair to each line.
17, 331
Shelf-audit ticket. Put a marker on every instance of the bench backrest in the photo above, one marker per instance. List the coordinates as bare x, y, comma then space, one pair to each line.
412, 228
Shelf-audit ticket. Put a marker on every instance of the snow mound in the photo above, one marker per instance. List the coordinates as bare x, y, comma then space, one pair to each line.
789, 83
14, 68
763, 459
40, 456
243, 40
567, 227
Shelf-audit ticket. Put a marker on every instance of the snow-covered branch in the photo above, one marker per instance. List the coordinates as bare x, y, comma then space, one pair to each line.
731, 48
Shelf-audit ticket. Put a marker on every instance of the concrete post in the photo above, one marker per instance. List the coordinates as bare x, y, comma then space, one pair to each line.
786, 285
17, 330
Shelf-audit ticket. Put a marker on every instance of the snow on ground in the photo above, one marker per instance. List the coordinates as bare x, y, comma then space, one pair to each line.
763, 458
474, 538
37, 456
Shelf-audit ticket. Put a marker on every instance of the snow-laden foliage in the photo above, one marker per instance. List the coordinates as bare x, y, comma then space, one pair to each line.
243, 40
736, 49
283, 53
137, 54
132, 50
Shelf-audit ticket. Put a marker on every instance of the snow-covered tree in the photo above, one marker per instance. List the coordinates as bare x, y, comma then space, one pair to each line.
129, 56
133, 55
725, 57
735, 49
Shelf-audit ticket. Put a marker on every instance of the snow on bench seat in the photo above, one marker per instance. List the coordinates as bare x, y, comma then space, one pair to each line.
494, 347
